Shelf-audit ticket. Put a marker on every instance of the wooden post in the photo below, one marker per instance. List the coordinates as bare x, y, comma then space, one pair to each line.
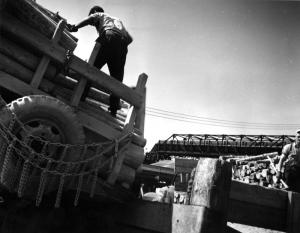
82, 82
42, 67
127, 129
140, 118
209, 199
293, 212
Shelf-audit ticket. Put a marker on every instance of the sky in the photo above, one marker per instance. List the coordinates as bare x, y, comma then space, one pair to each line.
214, 67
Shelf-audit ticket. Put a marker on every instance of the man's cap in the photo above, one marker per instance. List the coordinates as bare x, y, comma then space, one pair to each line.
95, 9
298, 131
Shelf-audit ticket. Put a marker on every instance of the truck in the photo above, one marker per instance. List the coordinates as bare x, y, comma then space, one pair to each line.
53, 141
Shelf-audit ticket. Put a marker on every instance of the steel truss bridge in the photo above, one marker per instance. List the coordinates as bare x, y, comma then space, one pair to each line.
214, 145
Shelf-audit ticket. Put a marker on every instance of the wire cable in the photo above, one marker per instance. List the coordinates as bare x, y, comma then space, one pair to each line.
215, 122
175, 114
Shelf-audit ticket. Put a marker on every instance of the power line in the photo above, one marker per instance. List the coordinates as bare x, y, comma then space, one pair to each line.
182, 117
219, 125
214, 119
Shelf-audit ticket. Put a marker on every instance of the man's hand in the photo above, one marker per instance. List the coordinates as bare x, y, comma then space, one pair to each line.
278, 176
72, 28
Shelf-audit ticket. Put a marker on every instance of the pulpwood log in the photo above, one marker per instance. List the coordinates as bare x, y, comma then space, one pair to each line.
29, 12
255, 158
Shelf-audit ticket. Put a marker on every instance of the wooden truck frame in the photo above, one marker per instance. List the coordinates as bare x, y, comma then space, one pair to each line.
38, 70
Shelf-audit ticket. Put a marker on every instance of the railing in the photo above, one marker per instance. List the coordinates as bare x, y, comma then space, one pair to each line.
213, 145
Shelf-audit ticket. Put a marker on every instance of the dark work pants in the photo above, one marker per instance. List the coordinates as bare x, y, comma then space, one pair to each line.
292, 175
113, 52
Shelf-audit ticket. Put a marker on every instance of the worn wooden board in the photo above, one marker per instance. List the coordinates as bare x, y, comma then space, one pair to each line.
187, 218
256, 215
152, 216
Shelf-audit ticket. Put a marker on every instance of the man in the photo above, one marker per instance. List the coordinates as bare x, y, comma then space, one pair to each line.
114, 40
291, 158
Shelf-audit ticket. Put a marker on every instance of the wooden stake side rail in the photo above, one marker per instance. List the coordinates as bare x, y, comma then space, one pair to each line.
98, 78
31, 61
90, 122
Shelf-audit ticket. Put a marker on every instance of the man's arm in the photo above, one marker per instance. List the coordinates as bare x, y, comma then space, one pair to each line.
74, 27
283, 157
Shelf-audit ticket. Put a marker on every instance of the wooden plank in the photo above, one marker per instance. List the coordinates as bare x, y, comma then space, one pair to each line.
82, 82
191, 222
15, 85
293, 212
97, 126
258, 195
147, 215
256, 215
99, 79
11, 67
43, 65
127, 129
156, 170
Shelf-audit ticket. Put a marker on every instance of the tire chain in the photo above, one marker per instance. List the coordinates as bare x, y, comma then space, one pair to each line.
11, 145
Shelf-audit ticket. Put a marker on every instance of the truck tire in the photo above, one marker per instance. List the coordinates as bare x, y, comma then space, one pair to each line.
49, 119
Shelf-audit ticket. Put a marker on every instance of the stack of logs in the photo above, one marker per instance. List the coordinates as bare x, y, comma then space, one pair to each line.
259, 170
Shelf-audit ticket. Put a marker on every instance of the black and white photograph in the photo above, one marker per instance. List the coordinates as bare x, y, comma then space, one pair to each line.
149, 116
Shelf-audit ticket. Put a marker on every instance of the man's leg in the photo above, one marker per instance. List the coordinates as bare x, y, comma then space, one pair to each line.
100, 61
116, 63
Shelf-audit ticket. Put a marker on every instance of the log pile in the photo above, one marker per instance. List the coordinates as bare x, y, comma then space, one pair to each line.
259, 170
